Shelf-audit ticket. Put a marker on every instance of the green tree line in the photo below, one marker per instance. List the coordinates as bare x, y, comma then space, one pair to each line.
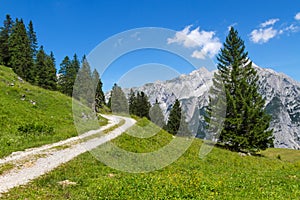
20, 51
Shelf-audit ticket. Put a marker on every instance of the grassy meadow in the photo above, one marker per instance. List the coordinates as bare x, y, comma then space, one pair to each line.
31, 116
221, 174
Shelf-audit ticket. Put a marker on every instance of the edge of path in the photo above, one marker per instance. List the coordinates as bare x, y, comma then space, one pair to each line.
25, 174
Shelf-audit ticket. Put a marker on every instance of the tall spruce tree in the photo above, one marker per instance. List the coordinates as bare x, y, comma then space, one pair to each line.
40, 68
132, 102
99, 95
5, 33
46, 71
174, 119
63, 86
20, 52
142, 105
67, 74
84, 88
51, 72
33, 39
118, 101
156, 115
246, 123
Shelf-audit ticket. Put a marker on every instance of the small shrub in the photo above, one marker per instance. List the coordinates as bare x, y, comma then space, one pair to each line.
35, 129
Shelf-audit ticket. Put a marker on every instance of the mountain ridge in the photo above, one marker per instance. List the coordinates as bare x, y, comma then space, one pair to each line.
282, 94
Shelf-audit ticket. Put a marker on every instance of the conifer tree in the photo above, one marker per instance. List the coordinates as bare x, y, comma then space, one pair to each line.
46, 71
63, 85
156, 115
5, 33
99, 95
33, 39
246, 123
132, 102
142, 105
51, 72
109, 102
20, 52
75, 66
83, 89
118, 100
67, 74
174, 119
40, 72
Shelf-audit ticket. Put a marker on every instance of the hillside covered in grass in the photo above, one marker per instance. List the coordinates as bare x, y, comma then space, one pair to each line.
31, 116
274, 174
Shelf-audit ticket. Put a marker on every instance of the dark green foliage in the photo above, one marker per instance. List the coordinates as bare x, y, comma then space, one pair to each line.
67, 74
132, 102
5, 32
139, 104
156, 115
246, 123
33, 40
143, 105
118, 100
109, 102
174, 119
62, 77
34, 129
84, 86
99, 95
45, 74
39, 74
51, 71
20, 52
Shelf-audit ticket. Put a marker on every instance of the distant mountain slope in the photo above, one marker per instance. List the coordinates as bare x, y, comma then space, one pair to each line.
31, 116
282, 95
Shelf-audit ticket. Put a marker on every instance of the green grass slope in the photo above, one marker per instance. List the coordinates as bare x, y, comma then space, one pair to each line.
31, 116
221, 175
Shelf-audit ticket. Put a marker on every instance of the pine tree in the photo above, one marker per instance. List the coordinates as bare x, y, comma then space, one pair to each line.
142, 105
132, 102
83, 89
40, 72
63, 86
33, 40
75, 66
5, 33
118, 100
109, 102
246, 123
20, 52
46, 71
156, 115
174, 119
51, 72
67, 74
99, 95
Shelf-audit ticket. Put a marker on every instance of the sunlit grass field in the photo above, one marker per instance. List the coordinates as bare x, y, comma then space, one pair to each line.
31, 116
220, 175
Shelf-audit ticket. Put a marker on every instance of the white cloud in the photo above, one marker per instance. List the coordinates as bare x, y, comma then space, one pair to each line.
269, 30
297, 16
263, 35
205, 42
269, 22
291, 28
198, 54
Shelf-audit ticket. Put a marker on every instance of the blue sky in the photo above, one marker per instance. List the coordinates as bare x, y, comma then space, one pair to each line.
270, 29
